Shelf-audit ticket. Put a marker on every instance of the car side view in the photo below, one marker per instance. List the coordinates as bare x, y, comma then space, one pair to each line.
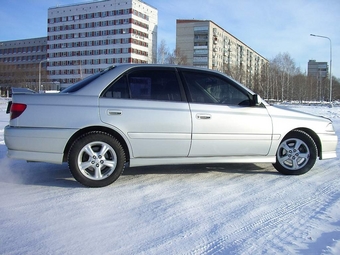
138, 115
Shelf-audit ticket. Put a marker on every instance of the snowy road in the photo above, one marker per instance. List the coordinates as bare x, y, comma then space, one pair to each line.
206, 209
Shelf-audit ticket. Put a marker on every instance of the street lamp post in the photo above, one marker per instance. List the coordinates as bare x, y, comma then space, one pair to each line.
39, 83
330, 65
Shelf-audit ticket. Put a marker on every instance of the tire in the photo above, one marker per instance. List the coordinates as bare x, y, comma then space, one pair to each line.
296, 154
96, 159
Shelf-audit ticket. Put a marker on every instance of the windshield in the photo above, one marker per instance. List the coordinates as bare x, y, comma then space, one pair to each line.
83, 83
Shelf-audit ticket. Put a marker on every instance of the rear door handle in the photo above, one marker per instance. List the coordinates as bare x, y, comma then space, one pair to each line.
203, 116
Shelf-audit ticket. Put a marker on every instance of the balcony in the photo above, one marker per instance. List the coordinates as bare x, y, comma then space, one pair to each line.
201, 47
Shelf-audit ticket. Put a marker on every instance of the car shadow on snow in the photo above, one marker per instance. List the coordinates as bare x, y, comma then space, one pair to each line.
45, 174
53, 175
35, 173
39, 174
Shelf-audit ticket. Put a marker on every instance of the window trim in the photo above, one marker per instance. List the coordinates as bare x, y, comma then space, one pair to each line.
233, 83
143, 68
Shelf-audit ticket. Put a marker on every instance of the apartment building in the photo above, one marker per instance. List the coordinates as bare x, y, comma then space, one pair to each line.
205, 44
317, 69
87, 37
19, 63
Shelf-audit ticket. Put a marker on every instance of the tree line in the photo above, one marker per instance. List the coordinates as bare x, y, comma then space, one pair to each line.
284, 81
279, 79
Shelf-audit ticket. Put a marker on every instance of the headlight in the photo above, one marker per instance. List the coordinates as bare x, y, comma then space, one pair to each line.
329, 127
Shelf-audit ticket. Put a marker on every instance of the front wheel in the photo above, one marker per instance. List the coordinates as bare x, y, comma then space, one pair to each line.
296, 154
96, 159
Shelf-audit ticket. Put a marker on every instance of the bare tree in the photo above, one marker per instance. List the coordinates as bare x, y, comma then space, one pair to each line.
282, 69
300, 92
177, 58
163, 52
336, 89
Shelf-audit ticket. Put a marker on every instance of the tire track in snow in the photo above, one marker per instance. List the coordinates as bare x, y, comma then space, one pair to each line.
233, 243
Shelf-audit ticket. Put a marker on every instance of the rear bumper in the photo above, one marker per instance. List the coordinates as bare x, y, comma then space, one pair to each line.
36, 156
37, 144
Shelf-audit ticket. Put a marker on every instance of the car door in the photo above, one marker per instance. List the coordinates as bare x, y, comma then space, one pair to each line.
225, 121
146, 105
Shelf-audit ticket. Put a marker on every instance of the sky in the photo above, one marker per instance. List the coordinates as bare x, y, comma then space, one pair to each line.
268, 27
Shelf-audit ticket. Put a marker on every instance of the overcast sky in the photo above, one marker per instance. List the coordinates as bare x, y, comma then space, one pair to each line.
269, 27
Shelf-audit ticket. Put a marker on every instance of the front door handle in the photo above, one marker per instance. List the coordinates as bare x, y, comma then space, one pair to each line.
203, 116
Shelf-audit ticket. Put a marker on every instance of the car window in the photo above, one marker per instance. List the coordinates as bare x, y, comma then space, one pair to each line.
119, 89
146, 84
83, 83
212, 89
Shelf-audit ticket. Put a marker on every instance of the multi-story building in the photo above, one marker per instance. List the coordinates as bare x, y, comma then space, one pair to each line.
205, 44
84, 38
20, 61
317, 69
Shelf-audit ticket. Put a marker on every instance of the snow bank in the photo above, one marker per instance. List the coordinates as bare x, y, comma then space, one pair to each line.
205, 209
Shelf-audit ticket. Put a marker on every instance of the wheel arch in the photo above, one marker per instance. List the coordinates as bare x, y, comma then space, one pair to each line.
313, 135
110, 131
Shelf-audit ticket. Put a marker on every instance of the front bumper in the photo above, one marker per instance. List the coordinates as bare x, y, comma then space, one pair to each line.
328, 145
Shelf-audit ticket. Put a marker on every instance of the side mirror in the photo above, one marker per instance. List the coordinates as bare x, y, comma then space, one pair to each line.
256, 100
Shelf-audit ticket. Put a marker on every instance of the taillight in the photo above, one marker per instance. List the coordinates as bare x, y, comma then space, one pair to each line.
17, 110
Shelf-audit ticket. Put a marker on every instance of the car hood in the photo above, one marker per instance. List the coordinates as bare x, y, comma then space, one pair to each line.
283, 111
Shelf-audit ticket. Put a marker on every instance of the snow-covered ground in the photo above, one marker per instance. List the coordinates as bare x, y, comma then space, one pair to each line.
205, 209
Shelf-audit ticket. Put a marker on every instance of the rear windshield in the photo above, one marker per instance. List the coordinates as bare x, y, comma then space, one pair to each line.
83, 83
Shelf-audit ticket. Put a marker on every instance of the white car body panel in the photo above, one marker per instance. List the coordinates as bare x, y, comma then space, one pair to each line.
45, 144
230, 131
286, 120
154, 128
134, 162
57, 111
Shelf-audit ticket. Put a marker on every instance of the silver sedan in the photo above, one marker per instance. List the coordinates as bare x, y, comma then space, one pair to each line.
141, 115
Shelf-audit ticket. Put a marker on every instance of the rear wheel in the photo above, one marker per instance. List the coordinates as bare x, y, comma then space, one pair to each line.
296, 154
96, 159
